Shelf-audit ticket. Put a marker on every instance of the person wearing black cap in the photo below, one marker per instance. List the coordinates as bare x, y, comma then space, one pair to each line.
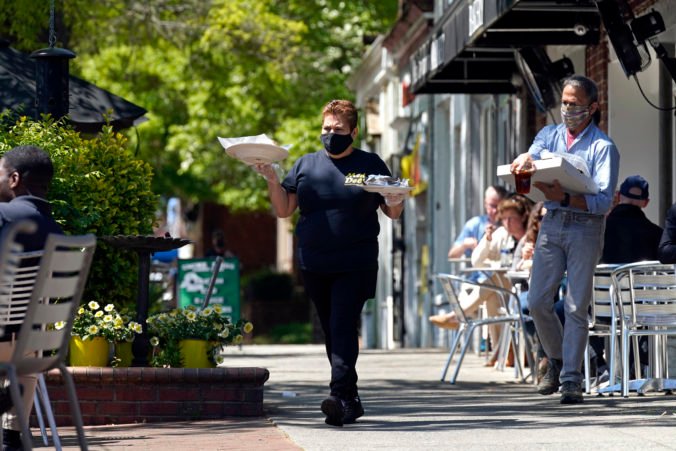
630, 236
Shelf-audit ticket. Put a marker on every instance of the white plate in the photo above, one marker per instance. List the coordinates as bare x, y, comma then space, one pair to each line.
253, 153
387, 189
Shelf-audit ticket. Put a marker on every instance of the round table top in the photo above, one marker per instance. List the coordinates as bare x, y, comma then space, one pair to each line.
145, 242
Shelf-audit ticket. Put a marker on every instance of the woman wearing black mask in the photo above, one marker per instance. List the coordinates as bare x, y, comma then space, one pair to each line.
337, 243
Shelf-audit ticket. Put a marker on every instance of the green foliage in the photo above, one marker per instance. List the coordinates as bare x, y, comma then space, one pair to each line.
211, 68
210, 324
99, 187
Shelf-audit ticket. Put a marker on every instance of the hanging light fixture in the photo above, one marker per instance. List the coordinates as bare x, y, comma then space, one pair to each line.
51, 76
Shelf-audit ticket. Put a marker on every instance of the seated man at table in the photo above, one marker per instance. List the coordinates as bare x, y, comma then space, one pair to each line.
473, 230
629, 237
25, 175
513, 212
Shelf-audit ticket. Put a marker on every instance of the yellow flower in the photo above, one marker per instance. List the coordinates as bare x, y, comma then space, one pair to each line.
218, 326
59, 325
98, 314
107, 318
136, 327
192, 316
207, 311
92, 330
109, 308
93, 305
248, 327
238, 339
218, 309
81, 311
154, 342
224, 333
119, 322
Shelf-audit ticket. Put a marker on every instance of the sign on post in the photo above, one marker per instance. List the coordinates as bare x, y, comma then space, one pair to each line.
193, 283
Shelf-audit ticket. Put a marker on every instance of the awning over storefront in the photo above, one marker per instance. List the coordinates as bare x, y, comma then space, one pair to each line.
471, 49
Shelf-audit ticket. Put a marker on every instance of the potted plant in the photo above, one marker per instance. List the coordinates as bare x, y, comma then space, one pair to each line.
94, 328
191, 338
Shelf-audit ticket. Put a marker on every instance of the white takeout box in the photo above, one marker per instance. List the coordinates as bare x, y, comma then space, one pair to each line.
546, 170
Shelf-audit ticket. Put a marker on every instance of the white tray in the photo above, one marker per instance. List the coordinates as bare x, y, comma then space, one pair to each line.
255, 153
387, 189
572, 179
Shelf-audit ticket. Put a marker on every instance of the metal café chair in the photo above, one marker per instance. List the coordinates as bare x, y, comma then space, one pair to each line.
42, 342
603, 320
646, 307
20, 270
510, 315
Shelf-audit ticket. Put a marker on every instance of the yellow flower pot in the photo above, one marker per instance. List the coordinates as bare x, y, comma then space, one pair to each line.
194, 354
123, 354
90, 352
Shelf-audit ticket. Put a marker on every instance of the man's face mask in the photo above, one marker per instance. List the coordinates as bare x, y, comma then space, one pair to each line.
573, 115
336, 144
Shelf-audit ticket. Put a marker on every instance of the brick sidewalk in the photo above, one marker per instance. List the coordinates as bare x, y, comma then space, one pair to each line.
246, 434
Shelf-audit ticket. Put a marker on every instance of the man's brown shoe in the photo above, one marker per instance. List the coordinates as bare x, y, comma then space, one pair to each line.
550, 382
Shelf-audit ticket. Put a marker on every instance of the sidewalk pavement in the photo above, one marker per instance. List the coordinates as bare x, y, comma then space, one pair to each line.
407, 407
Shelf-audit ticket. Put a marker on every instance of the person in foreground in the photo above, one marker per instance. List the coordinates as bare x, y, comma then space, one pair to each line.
337, 243
25, 175
571, 235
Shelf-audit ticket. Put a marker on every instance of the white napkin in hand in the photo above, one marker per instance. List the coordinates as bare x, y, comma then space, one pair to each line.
256, 139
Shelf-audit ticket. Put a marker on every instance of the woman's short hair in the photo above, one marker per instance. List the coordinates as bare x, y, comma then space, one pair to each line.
343, 108
518, 203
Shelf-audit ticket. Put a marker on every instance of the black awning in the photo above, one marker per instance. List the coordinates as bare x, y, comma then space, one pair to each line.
90, 107
471, 48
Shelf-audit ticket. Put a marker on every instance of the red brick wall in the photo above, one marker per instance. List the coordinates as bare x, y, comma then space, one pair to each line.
252, 237
132, 395
596, 61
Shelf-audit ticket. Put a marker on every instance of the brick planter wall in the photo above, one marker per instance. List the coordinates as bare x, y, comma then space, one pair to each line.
132, 395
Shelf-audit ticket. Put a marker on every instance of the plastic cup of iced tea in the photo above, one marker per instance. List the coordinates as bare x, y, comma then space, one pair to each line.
522, 181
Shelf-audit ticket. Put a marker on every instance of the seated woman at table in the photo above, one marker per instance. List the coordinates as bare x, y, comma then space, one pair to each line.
523, 261
513, 213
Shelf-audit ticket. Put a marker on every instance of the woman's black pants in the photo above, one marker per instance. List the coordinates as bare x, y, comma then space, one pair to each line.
339, 299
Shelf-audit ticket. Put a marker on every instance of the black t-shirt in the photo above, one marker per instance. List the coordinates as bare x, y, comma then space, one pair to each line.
338, 226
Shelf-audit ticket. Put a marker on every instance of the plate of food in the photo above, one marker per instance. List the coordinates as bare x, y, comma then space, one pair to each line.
384, 184
387, 189
256, 153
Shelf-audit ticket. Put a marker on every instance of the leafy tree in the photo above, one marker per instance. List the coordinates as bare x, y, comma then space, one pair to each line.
212, 68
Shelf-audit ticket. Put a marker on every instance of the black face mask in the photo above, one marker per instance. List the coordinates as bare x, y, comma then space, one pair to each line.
336, 144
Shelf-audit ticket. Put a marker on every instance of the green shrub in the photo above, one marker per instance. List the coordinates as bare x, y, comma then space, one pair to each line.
99, 187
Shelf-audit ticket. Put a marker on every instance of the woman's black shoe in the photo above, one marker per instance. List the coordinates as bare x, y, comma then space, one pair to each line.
353, 410
333, 409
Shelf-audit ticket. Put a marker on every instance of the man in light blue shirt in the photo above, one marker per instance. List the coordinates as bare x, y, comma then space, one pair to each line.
475, 227
571, 234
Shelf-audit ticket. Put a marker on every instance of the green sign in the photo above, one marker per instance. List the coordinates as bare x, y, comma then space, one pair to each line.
193, 282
